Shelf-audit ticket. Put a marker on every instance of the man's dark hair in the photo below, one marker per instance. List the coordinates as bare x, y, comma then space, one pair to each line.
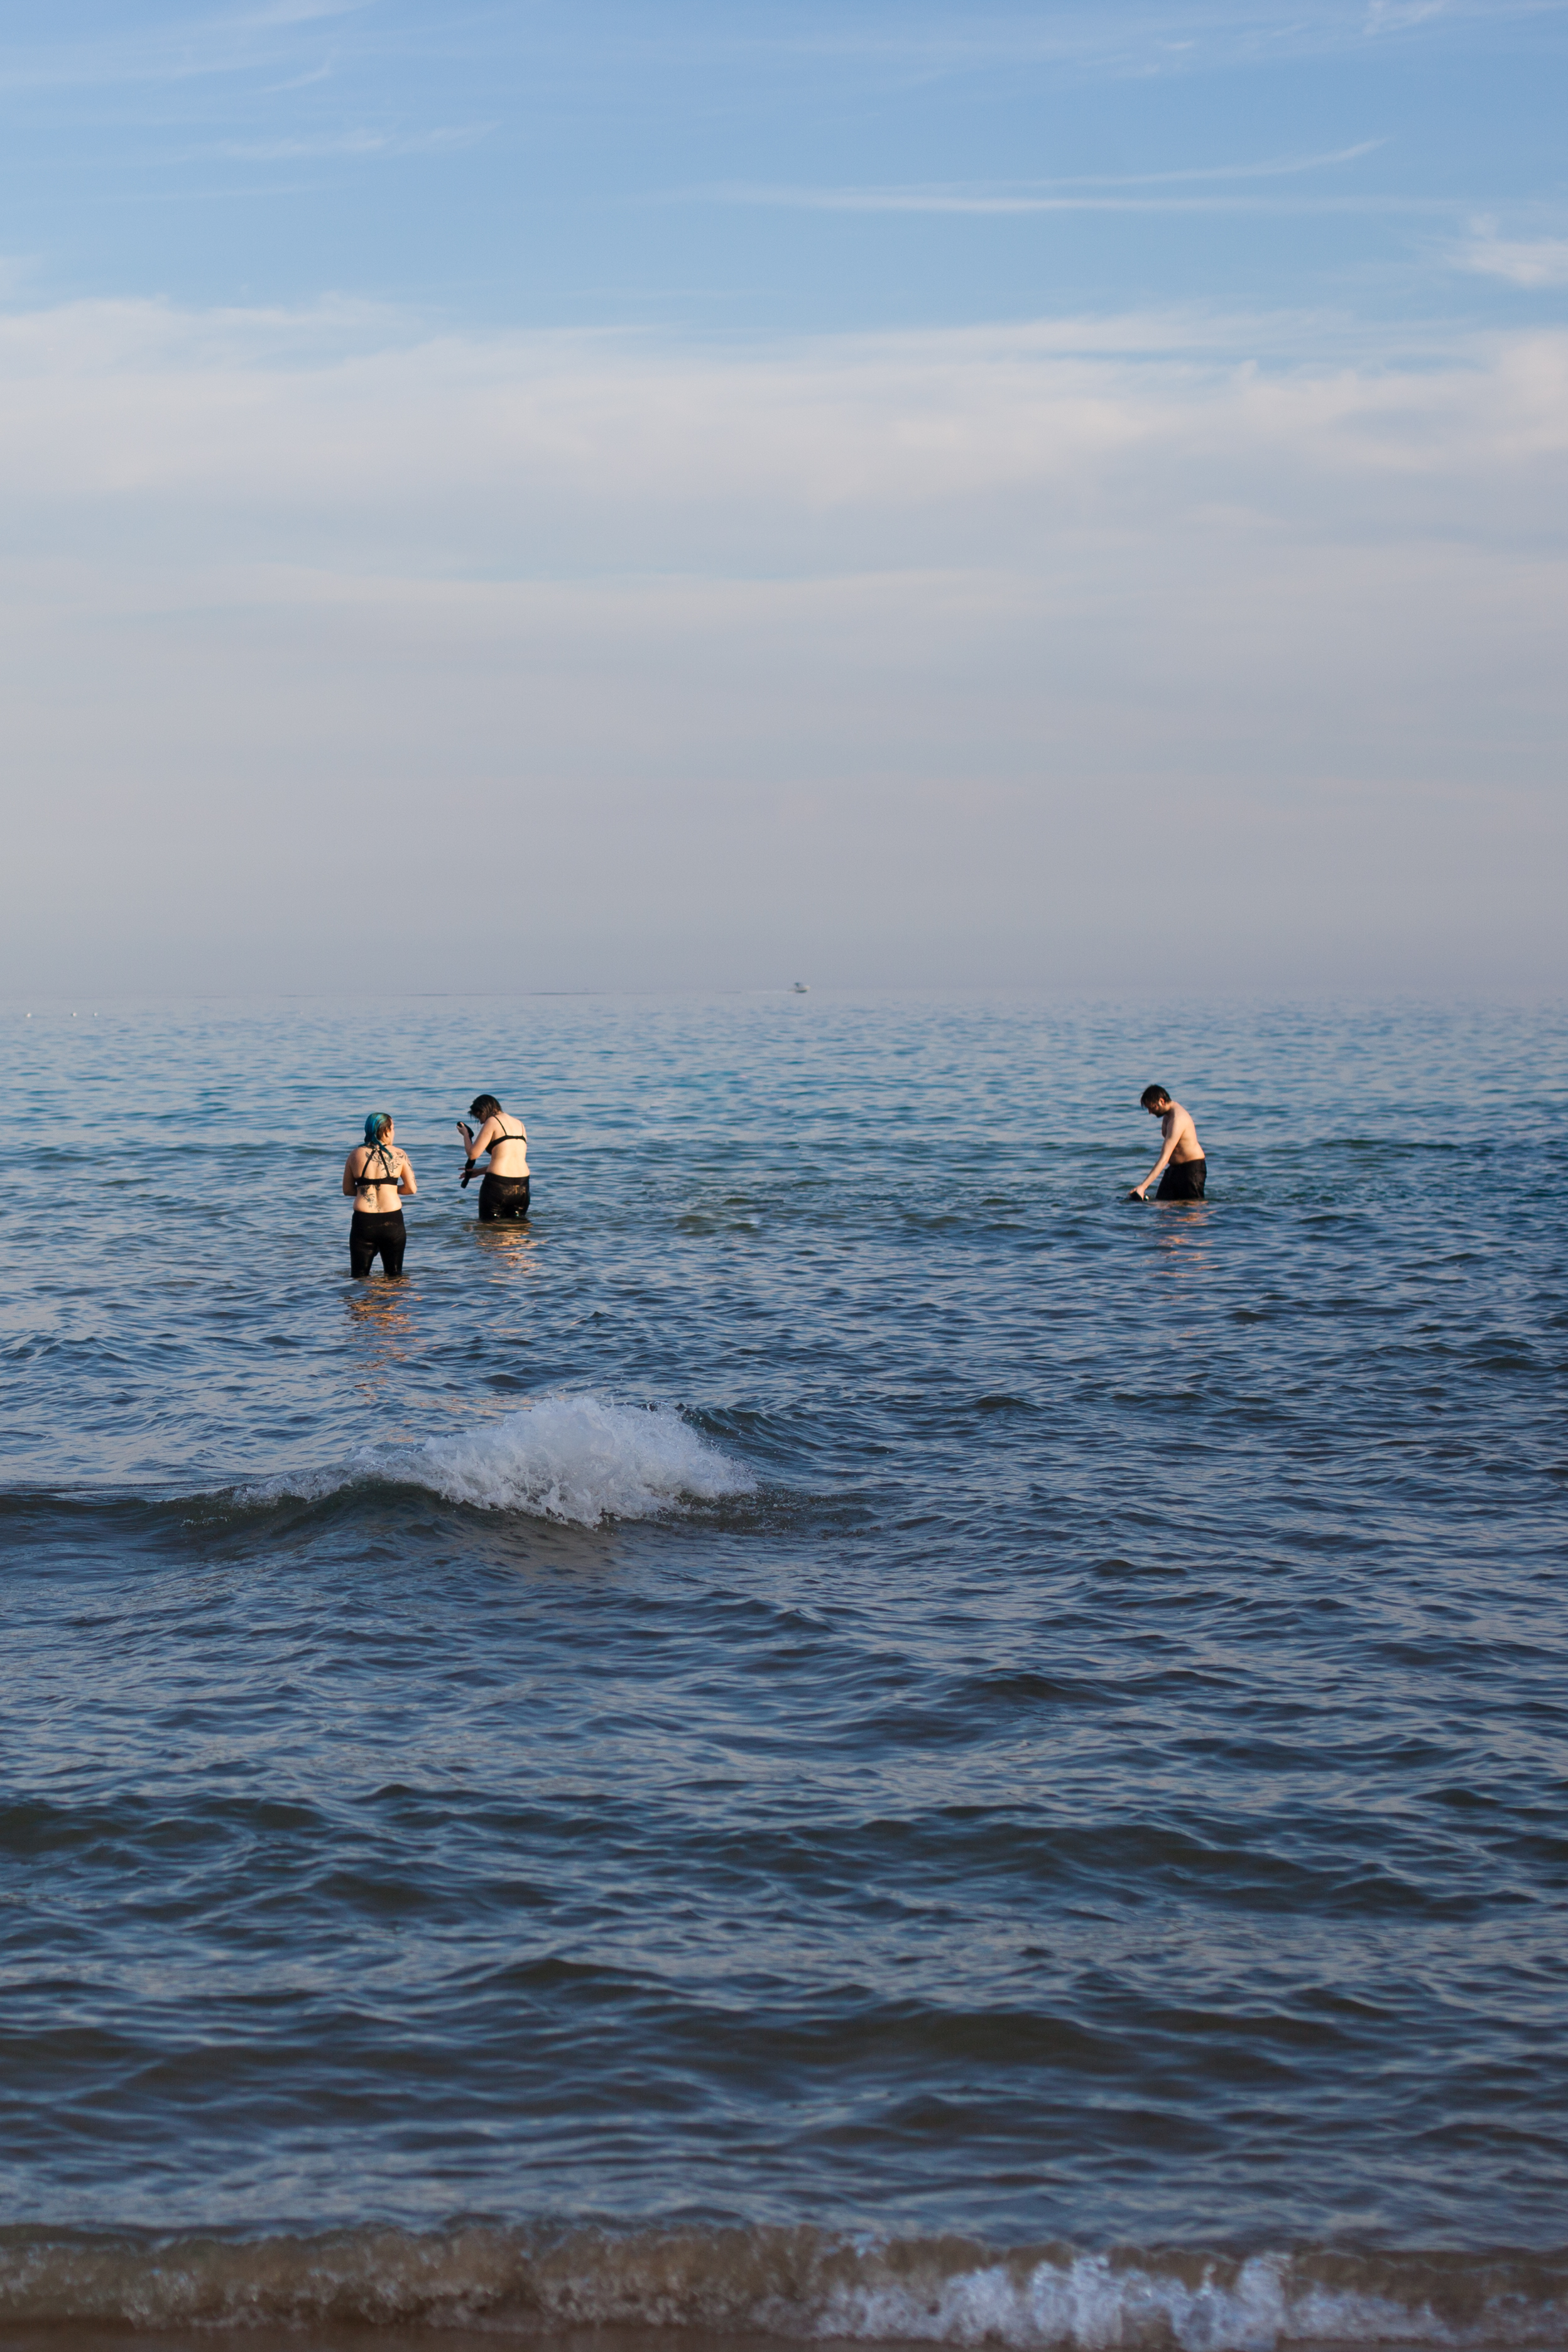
483, 1107
1148, 1098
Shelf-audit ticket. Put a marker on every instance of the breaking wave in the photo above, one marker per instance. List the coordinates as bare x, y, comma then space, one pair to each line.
800, 2283
579, 1457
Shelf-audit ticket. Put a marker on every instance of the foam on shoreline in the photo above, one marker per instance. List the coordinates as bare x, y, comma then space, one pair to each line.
800, 2283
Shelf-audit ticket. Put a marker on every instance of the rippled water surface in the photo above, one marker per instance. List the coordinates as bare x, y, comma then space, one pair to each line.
842, 1686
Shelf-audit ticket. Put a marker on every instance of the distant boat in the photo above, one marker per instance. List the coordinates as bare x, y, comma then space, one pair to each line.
801, 989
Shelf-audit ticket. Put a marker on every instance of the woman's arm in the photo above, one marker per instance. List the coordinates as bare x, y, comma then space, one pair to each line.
350, 1171
474, 1144
406, 1182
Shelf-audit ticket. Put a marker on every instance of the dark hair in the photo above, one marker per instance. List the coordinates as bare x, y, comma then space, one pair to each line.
1152, 1095
483, 1107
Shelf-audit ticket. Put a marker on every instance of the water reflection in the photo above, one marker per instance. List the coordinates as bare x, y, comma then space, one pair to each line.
1185, 1244
510, 1249
380, 1319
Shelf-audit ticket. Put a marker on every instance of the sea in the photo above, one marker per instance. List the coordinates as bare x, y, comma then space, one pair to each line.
847, 1735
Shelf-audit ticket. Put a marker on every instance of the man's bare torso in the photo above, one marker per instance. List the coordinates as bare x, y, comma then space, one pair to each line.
1176, 1126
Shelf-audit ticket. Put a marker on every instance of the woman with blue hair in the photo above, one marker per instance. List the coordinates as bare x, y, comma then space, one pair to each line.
378, 1176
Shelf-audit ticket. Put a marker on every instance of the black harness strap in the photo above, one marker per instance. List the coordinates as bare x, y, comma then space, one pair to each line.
364, 1182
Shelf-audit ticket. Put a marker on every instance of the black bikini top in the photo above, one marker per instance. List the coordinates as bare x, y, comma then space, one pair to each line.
364, 1182
471, 1165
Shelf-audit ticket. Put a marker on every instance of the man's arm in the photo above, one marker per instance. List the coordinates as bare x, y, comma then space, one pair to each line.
1163, 1161
1180, 1125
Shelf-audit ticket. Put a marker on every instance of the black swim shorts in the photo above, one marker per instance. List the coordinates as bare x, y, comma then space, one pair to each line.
502, 1198
371, 1237
1184, 1182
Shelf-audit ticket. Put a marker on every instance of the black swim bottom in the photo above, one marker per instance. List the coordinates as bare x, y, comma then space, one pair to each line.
372, 1238
502, 1198
1185, 1183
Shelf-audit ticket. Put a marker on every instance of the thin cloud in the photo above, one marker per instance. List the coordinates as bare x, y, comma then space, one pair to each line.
298, 12
1407, 16
320, 73
334, 405
1083, 191
1528, 262
180, 49
962, 201
355, 144
1279, 168
1138, 44
1400, 16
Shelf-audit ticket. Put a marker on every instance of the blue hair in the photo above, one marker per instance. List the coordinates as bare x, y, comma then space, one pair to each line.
377, 1125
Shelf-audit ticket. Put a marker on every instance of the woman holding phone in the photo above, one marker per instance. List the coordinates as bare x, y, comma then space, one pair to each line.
503, 1195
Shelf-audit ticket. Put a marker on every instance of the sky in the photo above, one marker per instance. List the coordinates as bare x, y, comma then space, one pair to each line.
694, 496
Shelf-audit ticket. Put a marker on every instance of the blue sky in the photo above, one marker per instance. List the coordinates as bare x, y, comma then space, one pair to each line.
886, 489
751, 168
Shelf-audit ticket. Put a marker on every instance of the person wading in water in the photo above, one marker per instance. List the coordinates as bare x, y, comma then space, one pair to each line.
504, 1193
1182, 1168
378, 1176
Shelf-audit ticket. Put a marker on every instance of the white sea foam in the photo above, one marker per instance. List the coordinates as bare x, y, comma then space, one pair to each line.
792, 2283
579, 1457
576, 1457
1092, 2306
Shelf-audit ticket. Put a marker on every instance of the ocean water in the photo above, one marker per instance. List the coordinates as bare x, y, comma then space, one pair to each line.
845, 1736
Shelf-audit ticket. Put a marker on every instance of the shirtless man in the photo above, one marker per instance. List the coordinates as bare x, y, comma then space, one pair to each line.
1181, 1167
